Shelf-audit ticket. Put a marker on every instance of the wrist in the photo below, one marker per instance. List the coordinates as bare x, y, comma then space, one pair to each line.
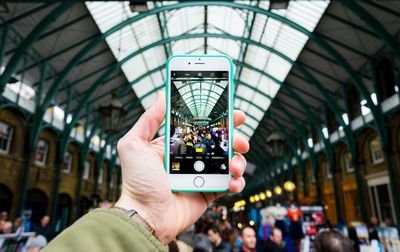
143, 217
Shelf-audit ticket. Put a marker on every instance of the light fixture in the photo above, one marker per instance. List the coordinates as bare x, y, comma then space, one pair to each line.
138, 5
262, 196
289, 186
112, 114
268, 194
256, 198
275, 144
251, 199
251, 223
278, 190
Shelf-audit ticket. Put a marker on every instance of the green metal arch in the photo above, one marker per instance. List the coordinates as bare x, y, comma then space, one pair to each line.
374, 24
284, 20
30, 39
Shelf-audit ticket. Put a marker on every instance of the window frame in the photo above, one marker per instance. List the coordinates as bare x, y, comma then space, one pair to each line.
86, 170
372, 152
347, 164
70, 156
10, 138
46, 153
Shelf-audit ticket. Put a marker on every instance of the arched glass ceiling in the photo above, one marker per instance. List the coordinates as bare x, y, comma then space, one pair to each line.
214, 20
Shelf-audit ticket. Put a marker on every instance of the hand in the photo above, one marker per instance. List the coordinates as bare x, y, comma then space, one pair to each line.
145, 185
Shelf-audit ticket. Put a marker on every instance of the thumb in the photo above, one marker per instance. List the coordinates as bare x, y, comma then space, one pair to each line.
149, 123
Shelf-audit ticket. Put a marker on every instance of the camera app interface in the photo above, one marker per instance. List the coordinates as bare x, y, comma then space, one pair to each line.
199, 122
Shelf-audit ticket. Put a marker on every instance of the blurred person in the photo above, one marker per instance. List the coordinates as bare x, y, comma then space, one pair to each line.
43, 228
373, 229
7, 227
17, 226
332, 241
147, 215
274, 242
179, 145
35, 244
201, 243
249, 240
200, 148
209, 143
219, 245
3, 220
189, 144
388, 222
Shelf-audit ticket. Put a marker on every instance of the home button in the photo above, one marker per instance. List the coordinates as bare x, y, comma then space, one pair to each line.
198, 181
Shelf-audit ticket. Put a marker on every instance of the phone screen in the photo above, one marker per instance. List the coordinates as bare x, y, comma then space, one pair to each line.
199, 131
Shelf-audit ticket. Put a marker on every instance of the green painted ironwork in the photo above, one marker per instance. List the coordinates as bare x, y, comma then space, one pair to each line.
29, 40
83, 154
3, 42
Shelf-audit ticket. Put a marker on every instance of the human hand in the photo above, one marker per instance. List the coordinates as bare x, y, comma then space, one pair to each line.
145, 184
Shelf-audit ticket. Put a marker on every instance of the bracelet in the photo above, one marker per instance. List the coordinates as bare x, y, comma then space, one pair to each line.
135, 215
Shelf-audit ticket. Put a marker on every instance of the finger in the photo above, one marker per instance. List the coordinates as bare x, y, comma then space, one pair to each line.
237, 165
239, 118
149, 123
240, 144
236, 185
158, 140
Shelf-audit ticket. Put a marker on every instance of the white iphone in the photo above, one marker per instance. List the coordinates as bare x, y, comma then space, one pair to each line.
199, 122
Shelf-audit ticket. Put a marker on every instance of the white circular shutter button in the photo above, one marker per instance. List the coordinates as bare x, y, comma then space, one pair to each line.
199, 166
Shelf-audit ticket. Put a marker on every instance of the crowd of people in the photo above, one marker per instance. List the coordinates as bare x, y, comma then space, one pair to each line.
14, 234
211, 235
199, 140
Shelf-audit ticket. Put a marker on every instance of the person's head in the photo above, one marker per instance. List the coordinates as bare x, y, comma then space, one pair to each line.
388, 222
3, 216
208, 136
17, 222
248, 237
201, 243
332, 241
374, 221
275, 235
7, 227
36, 244
214, 234
45, 220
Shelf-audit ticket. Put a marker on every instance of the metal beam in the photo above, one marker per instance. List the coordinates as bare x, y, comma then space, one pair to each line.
29, 40
374, 24
26, 14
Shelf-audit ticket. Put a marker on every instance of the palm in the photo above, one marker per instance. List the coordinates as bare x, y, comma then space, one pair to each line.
145, 185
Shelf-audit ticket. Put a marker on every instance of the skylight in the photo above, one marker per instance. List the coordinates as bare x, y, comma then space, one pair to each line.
255, 90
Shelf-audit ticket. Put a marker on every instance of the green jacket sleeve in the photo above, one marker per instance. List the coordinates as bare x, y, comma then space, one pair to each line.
105, 230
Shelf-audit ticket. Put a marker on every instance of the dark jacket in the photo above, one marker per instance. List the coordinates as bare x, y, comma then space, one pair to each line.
271, 246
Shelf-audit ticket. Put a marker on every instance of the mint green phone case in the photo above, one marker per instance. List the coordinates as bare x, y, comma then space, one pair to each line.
230, 111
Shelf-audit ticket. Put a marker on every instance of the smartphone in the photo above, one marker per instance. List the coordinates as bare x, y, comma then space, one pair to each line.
199, 122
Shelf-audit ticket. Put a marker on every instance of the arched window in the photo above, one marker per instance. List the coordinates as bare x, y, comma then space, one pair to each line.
376, 152
346, 159
6, 135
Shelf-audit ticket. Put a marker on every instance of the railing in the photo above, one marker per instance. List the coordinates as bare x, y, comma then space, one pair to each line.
14, 242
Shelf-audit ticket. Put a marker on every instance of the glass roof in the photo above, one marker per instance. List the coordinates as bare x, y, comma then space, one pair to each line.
215, 20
